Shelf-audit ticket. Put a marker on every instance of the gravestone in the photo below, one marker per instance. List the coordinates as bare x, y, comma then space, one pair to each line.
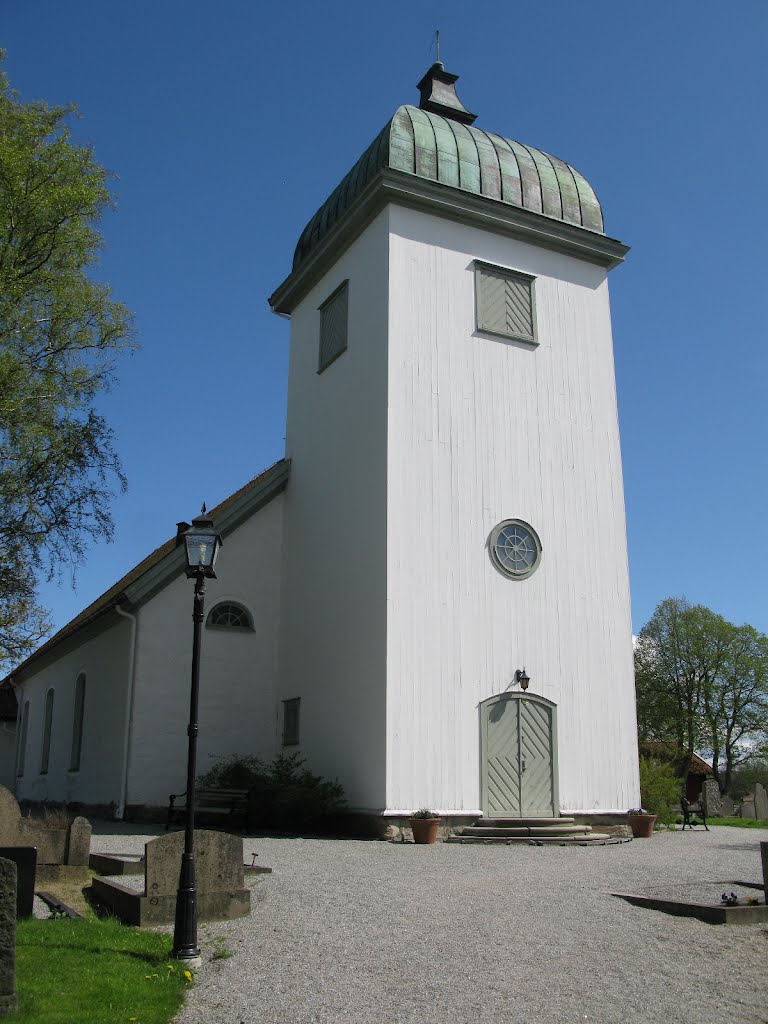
10, 816
761, 802
727, 805
79, 843
25, 859
710, 795
219, 881
748, 807
8, 1002
62, 853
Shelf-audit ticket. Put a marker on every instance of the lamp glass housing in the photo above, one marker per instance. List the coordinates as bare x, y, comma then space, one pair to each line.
201, 545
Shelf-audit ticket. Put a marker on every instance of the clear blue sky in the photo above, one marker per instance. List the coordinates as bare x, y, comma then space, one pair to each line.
229, 124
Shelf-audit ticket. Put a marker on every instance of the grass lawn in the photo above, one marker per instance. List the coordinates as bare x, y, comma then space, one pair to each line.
94, 972
739, 822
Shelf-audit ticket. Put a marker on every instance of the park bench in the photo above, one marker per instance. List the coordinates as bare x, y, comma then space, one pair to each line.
693, 810
231, 804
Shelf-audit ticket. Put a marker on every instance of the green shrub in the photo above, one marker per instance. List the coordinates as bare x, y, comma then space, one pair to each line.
283, 794
659, 789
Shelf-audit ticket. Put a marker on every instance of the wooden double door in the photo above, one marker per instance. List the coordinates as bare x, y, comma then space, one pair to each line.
519, 757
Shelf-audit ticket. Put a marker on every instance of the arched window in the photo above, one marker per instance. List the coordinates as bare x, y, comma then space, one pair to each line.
229, 615
77, 724
22, 739
47, 726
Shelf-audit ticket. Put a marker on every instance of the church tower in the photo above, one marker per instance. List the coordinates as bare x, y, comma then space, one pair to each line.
454, 519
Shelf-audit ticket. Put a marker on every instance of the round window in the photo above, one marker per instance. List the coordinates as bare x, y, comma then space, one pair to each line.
515, 548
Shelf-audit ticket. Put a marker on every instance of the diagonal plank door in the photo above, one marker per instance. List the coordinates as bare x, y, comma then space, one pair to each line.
503, 760
519, 762
536, 759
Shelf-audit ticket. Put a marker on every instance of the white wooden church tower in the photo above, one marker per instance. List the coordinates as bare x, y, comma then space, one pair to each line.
455, 510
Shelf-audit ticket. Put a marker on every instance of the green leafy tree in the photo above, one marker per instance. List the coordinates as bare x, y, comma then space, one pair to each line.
702, 683
60, 332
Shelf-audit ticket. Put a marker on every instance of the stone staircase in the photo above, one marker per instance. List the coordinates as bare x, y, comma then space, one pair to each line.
533, 832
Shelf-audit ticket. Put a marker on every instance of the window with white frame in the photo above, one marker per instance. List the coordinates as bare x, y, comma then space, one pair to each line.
333, 326
230, 615
45, 754
505, 302
23, 727
77, 724
291, 721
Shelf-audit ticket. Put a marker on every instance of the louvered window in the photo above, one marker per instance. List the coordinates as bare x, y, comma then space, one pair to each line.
333, 326
505, 303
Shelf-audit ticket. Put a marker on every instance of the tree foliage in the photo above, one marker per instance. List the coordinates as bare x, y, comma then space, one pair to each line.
702, 682
60, 332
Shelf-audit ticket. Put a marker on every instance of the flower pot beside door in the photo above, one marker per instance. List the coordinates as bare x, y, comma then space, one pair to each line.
424, 825
641, 824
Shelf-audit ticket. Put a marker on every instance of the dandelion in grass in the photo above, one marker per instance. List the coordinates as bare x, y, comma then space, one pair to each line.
188, 975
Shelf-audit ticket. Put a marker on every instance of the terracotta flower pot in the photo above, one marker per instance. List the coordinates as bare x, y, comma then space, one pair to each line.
642, 825
425, 829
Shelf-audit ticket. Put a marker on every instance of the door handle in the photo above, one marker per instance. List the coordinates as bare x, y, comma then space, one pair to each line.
522, 766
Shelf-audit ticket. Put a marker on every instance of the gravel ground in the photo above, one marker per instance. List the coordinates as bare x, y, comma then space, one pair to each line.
390, 933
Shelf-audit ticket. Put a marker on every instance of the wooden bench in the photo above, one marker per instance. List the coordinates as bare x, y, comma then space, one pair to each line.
231, 803
696, 810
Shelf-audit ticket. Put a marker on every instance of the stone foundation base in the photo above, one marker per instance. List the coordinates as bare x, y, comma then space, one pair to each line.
136, 908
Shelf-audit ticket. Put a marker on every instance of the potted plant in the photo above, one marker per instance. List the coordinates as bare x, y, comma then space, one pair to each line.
424, 824
641, 822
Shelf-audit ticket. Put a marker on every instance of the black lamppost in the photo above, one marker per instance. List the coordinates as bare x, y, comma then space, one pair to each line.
201, 546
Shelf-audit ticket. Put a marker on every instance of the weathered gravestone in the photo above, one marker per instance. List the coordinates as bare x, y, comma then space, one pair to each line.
8, 1002
710, 795
748, 807
10, 816
219, 880
62, 853
761, 801
727, 805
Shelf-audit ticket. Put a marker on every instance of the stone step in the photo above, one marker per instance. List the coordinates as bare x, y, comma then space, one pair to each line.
522, 822
588, 839
538, 830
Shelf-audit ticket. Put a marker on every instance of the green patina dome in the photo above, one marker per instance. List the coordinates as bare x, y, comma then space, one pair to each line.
445, 150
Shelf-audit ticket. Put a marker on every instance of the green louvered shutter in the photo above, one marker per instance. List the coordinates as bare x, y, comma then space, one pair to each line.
505, 303
333, 326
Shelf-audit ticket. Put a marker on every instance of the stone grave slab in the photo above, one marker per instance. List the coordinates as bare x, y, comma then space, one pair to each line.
62, 853
8, 1001
748, 807
25, 859
761, 802
702, 900
219, 878
710, 794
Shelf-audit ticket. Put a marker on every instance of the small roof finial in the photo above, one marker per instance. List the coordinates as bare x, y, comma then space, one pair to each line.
438, 91
203, 510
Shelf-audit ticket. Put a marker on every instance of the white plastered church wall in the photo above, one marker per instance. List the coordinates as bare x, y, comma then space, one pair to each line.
101, 659
333, 643
238, 709
481, 430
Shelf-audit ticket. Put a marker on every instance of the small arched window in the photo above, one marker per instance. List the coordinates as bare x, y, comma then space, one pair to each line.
229, 615
77, 724
47, 727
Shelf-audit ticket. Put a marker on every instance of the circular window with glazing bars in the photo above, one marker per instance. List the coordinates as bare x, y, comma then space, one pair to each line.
515, 548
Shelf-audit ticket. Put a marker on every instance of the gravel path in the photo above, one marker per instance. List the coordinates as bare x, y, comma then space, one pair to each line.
365, 932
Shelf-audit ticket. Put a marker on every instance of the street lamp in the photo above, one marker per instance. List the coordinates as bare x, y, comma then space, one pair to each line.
201, 546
